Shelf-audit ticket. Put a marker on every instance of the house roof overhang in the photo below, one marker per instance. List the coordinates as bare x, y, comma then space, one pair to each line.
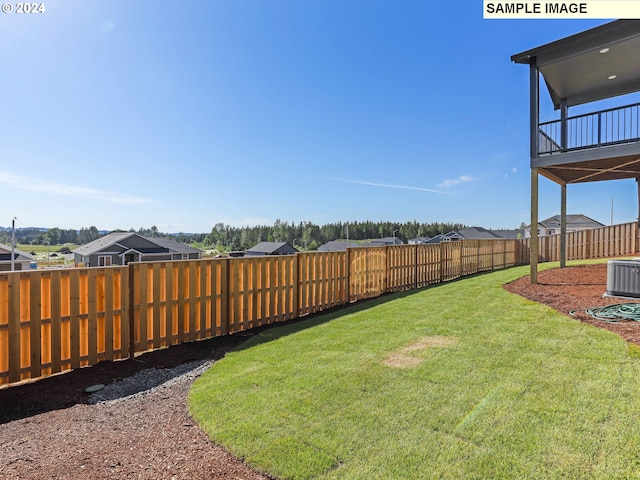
578, 68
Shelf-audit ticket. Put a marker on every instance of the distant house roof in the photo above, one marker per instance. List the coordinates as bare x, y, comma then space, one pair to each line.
175, 247
101, 243
19, 255
509, 234
272, 248
337, 246
116, 242
381, 242
477, 233
446, 237
575, 221
480, 233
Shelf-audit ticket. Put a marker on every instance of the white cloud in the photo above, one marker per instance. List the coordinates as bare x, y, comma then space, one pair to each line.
385, 185
457, 181
43, 186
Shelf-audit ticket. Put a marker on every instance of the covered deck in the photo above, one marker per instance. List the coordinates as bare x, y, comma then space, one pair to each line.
594, 65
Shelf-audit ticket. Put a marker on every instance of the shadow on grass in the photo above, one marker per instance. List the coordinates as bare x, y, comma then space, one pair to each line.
68, 389
275, 331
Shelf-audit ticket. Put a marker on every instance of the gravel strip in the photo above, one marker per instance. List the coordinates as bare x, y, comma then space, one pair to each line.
137, 428
145, 381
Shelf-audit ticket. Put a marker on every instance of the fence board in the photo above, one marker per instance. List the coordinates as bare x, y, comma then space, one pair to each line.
14, 327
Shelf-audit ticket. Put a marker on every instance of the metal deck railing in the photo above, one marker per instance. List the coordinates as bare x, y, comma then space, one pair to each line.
591, 130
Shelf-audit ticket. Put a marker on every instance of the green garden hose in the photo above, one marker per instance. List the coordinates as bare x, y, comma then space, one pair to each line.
613, 313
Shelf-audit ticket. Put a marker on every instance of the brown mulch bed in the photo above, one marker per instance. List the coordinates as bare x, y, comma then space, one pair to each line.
574, 289
49, 430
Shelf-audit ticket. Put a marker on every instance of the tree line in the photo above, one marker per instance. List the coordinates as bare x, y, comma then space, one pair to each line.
51, 236
302, 235
309, 236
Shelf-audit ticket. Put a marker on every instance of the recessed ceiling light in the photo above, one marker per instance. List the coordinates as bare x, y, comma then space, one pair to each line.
611, 77
604, 50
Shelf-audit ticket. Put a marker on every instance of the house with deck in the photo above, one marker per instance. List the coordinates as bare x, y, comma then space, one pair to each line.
600, 64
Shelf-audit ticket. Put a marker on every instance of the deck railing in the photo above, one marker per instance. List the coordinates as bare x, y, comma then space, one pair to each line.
591, 130
58, 320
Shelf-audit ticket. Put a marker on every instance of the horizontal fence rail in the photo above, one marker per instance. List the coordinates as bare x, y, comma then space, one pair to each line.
606, 127
53, 321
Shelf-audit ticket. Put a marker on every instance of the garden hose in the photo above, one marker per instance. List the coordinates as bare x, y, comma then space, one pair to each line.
613, 313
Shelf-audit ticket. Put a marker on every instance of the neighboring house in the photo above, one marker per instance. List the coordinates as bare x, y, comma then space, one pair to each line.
21, 260
575, 223
381, 242
120, 248
509, 234
446, 237
419, 240
271, 248
476, 233
337, 246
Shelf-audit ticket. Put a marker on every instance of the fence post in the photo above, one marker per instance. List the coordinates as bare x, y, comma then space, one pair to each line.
14, 327
295, 290
387, 267
224, 296
132, 298
415, 266
348, 275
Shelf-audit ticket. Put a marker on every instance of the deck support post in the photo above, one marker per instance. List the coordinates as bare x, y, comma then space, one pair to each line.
534, 120
533, 254
638, 218
564, 113
563, 225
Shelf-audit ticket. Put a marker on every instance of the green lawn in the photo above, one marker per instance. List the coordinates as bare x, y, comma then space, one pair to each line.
462, 380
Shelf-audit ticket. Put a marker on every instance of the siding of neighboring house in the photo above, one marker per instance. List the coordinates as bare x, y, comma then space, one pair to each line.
21, 261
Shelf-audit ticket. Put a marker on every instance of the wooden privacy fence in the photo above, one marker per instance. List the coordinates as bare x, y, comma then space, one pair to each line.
53, 321
604, 242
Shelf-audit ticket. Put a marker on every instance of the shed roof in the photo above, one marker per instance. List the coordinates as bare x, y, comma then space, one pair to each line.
578, 68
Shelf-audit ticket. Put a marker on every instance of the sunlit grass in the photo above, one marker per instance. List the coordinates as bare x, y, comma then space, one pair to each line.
495, 386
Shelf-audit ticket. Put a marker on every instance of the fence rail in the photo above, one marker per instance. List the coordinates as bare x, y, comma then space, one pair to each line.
53, 321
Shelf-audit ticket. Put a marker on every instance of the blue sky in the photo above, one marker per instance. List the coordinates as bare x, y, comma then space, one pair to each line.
128, 114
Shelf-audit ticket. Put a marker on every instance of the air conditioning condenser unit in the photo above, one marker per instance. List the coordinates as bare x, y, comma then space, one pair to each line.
623, 278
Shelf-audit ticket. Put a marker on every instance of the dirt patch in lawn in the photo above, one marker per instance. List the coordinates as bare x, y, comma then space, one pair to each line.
405, 357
